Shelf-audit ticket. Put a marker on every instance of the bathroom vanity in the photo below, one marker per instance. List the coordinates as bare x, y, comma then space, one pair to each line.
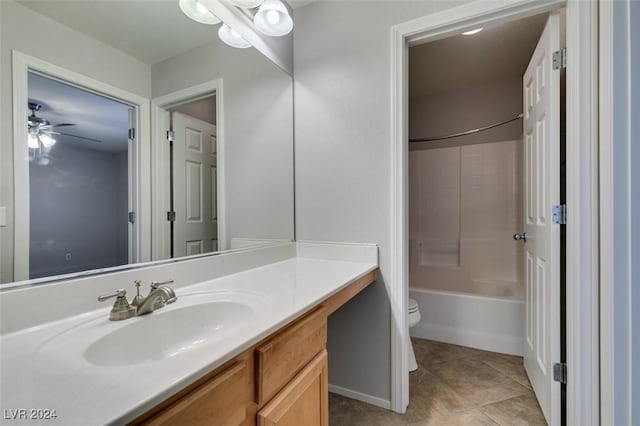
281, 380
245, 347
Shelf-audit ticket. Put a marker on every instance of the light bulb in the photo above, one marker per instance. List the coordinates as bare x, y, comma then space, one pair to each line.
32, 141
231, 37
198, 12
200, 8
273, 17
47, 141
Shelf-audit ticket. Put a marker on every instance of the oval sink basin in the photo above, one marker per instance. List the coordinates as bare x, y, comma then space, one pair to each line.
194, 322
167, 334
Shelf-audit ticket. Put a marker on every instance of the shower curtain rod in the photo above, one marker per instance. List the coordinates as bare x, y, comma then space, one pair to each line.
467, 132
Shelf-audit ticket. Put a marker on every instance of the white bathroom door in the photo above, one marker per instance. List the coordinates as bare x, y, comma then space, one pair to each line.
541, 132
194, 186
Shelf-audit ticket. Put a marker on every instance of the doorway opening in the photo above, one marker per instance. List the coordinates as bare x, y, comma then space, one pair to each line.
194, 175
80, 179
64, 123
484, 173
187, 172
582, 284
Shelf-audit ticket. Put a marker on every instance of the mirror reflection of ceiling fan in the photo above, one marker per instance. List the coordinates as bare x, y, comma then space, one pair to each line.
41, 131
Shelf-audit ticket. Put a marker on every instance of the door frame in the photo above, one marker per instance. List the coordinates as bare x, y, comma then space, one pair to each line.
160, 158
618, 211
582, 187
141, 204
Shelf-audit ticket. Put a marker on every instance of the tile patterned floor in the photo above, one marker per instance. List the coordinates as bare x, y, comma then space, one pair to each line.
453, 385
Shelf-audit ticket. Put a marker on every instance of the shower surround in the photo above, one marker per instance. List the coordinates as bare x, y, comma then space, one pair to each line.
465, 268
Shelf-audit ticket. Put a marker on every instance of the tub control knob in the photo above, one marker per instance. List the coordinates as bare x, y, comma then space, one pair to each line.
519, 237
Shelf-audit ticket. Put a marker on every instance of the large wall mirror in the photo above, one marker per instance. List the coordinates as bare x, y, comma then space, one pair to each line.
131, 133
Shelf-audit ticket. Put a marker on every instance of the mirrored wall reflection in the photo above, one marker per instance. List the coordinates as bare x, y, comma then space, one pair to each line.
95, 182
79, 184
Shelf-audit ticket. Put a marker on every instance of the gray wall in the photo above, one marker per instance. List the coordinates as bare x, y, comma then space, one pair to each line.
39, 36
77, 207
342, 109
257, 111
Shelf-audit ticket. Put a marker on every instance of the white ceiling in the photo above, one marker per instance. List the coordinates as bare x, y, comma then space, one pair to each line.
94, 116
499, 52
149, 30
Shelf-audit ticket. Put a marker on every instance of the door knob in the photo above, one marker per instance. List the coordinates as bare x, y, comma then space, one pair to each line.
519, 237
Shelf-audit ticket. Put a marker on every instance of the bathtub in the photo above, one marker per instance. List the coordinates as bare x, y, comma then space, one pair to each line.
492, 320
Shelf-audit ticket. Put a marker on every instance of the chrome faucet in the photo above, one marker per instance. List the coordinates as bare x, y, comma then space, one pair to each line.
159, 296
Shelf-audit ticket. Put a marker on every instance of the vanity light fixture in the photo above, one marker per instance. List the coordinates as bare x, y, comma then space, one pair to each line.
246, 4
231, 37
273, 18
198, 12
472, 32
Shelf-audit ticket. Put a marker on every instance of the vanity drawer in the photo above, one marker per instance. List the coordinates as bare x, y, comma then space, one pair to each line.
284, 355
221, 401
304, 401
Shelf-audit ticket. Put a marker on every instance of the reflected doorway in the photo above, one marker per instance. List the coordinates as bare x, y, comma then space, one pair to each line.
193, 178
81, 171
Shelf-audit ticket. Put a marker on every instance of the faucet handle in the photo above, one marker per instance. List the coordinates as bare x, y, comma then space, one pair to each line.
121, 308
156, 284
138, 299
121, 292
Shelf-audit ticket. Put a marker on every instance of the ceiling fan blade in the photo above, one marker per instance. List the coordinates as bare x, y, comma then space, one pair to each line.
78, 137
63, 124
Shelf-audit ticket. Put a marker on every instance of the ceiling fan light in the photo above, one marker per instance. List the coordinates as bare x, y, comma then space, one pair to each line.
47, 141
32, 141
232, 38
273, 19
198, 12
246, 4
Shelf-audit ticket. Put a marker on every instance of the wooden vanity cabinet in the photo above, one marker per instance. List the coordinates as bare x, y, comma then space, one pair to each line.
220, 399
304, 401
281, 381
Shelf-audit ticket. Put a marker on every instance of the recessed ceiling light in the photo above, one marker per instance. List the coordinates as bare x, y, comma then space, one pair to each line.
472, 32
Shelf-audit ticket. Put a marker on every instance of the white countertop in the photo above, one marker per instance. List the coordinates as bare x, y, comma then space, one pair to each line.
36, 374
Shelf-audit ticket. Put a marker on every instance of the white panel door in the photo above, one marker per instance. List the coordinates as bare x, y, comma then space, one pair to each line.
541, 134
194, 186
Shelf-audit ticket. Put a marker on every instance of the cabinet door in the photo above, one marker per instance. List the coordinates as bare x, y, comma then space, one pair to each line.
222, 401
304, 401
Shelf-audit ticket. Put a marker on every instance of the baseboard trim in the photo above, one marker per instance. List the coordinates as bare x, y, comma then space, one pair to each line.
373, 400
474, 339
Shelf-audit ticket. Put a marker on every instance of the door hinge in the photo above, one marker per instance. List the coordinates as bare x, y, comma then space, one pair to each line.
560, 372
132, 133
132, 217
559, 59
560, 214
171, 135
171, 216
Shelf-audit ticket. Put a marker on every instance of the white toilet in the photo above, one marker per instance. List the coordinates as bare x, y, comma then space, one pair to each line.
414, 318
